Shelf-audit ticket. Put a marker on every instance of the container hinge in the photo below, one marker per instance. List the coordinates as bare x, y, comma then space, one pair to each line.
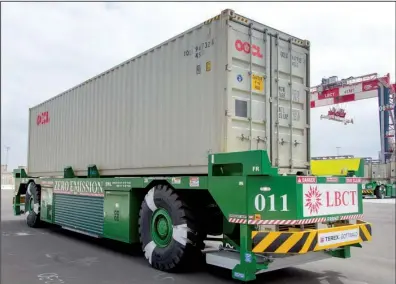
282, 141
228, 68
296, 143
259, 139
243, 137
276, 39
270, 99
290, 44
307, 126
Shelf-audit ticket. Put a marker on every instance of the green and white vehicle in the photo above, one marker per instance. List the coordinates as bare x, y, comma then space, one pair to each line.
378, 179
206, 135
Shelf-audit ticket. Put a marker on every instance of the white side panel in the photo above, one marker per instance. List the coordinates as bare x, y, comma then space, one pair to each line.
159, 113
380, 171
388, 169
289, 108
367, 170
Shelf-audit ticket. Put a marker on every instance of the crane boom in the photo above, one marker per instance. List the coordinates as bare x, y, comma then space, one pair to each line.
334, 91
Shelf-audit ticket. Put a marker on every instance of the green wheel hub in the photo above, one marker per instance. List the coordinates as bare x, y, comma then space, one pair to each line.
161, 228
31, 204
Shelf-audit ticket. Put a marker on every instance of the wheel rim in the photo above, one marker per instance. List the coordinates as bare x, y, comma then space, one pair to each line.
161, 228
383, 190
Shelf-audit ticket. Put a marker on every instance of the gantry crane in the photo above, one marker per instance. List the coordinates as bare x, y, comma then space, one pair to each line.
334, 92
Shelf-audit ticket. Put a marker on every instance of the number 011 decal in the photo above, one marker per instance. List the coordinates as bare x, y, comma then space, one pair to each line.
261, 202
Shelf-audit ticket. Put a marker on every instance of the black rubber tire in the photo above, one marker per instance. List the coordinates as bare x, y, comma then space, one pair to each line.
378, 192
32, 218
176, 256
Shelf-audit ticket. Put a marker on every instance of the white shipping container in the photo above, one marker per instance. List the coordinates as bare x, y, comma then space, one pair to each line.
163, 111
377, 170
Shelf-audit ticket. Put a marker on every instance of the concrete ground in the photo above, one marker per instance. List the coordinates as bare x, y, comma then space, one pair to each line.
56, 256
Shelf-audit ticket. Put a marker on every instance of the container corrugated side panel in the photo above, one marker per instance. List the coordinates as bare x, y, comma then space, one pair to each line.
367, 171
83, 213
388, 170
280, 111
160, 113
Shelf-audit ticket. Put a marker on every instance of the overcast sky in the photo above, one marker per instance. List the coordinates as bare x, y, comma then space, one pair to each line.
47, 48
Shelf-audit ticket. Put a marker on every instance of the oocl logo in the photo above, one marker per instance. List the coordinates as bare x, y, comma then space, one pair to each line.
245, 47
42, 118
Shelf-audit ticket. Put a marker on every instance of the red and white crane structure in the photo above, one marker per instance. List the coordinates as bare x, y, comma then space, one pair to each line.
334, 92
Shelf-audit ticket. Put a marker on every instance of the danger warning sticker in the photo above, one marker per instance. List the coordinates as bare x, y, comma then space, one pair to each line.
332, 179
353, 180
301, 179
194, 181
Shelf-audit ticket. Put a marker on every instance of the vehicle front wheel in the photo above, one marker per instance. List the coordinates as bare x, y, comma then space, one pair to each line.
168, 229
380, 192
32, 205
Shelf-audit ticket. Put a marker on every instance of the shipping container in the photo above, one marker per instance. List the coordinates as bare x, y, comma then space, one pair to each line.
377, 170
210, 89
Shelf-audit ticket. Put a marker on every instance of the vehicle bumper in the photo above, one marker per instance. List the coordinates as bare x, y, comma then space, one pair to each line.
301, 242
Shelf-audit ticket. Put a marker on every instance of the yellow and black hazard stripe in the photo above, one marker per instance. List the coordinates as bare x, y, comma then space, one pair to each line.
304, 241
367, 191
365, 232
207, 22
284, 242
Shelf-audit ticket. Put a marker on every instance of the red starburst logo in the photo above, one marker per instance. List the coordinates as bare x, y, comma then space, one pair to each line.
313, 199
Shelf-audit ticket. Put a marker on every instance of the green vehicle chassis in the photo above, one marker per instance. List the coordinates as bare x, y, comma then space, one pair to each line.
378, 189
265, 221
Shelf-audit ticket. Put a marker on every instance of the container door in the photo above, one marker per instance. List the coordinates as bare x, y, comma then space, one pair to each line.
290, 111
248, 89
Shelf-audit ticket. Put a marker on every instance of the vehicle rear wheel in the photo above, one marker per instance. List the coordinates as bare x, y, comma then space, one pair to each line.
168, 230
32, 205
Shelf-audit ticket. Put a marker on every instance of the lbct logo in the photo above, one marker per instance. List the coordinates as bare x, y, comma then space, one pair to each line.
313, 199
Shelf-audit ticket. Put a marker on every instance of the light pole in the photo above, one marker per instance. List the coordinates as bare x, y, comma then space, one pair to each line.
338, 150
7, 148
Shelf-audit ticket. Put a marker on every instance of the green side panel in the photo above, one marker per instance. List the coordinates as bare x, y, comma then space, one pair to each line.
274, 197
360, 171
230, 194
283, 198
228, 179
79, 212
390, 190
47, 208
117, 223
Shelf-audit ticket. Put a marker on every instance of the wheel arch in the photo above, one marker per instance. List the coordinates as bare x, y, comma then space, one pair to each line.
23, 187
